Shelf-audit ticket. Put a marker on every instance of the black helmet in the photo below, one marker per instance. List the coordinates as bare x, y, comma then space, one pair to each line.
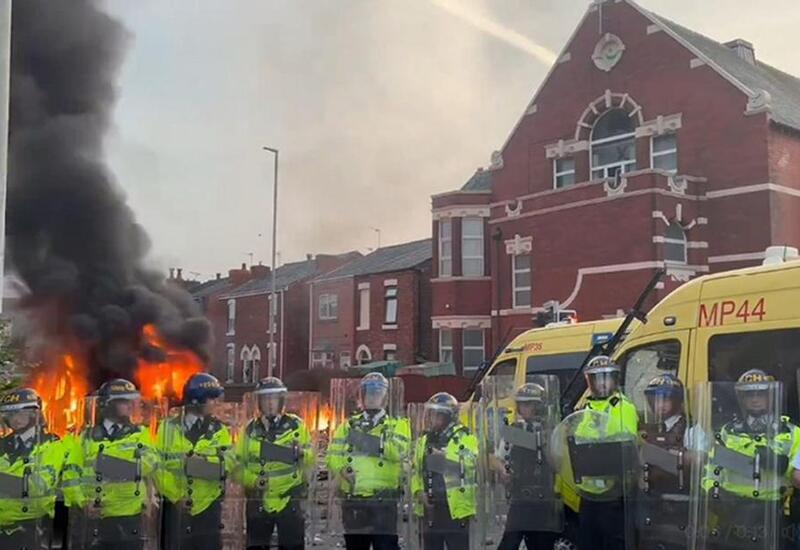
374, 384
445, 404
201, 388
271, 386
599, 372
117, 389
20, 399
665, 385
531, 393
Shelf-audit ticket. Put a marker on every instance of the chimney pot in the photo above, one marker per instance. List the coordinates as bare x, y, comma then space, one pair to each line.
309, 257
180, 273
171, 272
244, 265
743, 49
219, 276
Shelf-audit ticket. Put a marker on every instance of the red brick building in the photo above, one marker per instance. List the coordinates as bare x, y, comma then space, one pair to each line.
647, 146
374, 308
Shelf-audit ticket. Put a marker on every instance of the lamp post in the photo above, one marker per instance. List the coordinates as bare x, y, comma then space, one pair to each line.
272, 301
5, 79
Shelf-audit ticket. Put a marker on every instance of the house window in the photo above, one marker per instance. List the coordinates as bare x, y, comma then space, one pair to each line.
344, 360
664, 152
328, 307
230, 367
675, 244
255, 357
563, 172
363, 309
613, 144
521, 282
445, 248
473, 348
445, 345
390, 301
390, 355
322, 359
363, 355
472, 247
231, 317
247, 364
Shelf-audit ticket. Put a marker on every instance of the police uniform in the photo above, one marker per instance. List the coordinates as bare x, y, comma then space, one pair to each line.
275, 488
31, 460
193, 507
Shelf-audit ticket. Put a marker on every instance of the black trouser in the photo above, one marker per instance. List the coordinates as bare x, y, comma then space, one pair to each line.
521, 523
370, 522
602, 525
289, 522
661, 523
440, 531
187, 532
32, 534
376, 542
123, 533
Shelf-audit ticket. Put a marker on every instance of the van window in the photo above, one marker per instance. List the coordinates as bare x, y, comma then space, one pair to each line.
562, 365
505, 368
775, 351
642, 364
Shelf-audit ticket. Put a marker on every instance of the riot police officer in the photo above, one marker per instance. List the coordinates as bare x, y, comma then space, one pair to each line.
196, 454
603, 522
367, 454
445, 476
31, 460
535, 512
275, 458
107, 475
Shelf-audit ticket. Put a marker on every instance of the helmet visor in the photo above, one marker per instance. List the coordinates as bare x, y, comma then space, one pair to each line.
374, 395
272, 404
663, 405
603, 384
19, 419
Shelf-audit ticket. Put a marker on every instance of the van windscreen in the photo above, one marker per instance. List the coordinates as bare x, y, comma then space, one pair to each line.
562, 365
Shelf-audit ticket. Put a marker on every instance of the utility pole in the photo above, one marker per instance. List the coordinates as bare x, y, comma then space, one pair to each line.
5, 85
378, 231
272, 297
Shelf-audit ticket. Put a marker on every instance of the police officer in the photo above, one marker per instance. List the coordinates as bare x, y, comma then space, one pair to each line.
530, 481
445, 476
367, 454
275, 479
663, 511
745, 503
197, 457
107, 473
602, 510
31, 460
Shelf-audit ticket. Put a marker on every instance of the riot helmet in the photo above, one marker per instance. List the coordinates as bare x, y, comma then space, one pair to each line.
271, 393
531, 401
20, 408
602, 377
756, 393
665, 397
441, 411
117, 399
374, 392
201, 392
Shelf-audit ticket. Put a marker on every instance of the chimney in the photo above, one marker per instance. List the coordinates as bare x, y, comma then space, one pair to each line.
219, 276
743, 49
309, 257
260, 271
171, 273
180, 274
239, 276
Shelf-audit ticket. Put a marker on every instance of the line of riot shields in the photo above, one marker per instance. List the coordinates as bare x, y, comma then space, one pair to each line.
705, 470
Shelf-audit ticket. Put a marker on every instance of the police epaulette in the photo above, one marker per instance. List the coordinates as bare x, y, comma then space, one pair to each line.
614, 401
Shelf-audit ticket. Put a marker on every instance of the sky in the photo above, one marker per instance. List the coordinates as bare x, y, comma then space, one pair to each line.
375, 105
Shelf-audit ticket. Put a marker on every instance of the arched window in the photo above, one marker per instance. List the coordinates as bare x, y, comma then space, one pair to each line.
613, 144
247, 364
363, 355
255, 356
675, 244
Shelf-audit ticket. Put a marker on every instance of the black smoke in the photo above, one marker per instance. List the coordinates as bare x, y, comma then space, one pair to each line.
72, 238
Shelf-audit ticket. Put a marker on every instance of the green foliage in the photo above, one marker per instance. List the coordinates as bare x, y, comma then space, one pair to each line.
10, 359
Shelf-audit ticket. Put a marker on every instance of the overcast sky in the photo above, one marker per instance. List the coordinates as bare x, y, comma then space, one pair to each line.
374, 104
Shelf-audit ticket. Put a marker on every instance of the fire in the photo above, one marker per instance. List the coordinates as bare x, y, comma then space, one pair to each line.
165, 379
62, 386
325, 417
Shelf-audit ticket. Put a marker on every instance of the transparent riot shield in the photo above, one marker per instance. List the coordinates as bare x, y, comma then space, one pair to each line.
109, 479
663, 471
520, 479
367, 462
447, 468
276, 453
742, 448
30, 459
203, 506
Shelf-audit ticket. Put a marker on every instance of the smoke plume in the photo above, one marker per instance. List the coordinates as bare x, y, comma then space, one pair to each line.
72, 239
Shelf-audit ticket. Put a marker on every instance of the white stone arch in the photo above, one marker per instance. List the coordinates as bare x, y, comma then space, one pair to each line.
363, 355
609, 100
246, 357
255, 356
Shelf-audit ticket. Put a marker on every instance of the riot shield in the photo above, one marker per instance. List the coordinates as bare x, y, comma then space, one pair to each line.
447, 468
367, 462
203, 506
743, 452
663, 471
276, 453
520, 479
109, 478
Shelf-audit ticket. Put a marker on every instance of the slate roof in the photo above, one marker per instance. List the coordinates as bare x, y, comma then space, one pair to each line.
203, 290
481, 180
384, 260
287, 274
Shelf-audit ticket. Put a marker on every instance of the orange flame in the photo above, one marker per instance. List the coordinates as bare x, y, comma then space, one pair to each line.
62, 385
166, 378
325, 417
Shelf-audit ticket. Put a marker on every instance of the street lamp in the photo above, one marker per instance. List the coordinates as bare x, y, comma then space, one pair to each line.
272, 302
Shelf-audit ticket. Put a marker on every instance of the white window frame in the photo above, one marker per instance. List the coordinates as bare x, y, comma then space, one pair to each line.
624, 166
246, 357
255, 359
667, 152
322, 359
386, 301
443, 348
514, 288
477, 238
363, 308
363, 352
557, 174
230, 366
682, 242
345, 360
231, 317
328, 308
442, 241
465, 348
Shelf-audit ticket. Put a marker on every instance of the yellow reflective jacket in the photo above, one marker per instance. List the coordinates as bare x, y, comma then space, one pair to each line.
461, 485
376, 470
84, 487
276, 482
39, 471
214, 446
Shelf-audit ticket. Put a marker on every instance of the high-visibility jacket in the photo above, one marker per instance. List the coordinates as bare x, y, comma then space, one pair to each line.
622, 419
275, 481
377, 469
83, 486
460, 483
38, 469
215, 445
737, 437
